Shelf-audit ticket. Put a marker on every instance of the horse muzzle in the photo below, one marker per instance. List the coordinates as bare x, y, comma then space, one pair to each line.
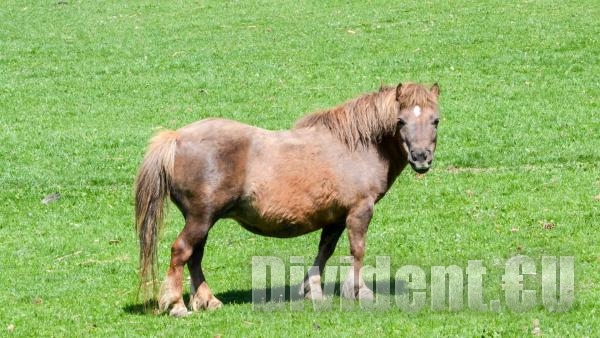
420, 160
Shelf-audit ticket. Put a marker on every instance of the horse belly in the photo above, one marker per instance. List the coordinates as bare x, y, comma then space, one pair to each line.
290, 186
285, 215
280, 230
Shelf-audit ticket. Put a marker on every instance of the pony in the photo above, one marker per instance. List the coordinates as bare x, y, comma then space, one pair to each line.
326, 173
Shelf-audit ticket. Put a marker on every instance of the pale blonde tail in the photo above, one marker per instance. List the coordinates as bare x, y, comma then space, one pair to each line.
152, 187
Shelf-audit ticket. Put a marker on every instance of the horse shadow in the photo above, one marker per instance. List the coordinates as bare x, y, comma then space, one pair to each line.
290, 292
277, 295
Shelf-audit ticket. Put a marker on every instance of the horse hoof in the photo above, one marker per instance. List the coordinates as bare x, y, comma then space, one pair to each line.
365, 294
214, 304
179, 311
199, 304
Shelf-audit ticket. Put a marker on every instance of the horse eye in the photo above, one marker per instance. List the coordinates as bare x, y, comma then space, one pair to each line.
401, 122
436, 122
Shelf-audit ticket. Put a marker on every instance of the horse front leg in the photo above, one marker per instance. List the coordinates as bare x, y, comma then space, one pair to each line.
311, 287
357, 223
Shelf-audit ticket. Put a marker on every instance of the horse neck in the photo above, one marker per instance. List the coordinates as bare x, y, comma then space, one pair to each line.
396, 162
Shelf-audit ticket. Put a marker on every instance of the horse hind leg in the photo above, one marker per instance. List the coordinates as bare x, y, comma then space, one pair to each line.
171, 292
201, 295
196, 274
311, 287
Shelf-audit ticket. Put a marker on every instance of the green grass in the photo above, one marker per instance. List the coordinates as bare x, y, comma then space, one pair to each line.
84, 85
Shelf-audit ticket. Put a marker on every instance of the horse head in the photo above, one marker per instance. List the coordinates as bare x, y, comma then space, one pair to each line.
416, 129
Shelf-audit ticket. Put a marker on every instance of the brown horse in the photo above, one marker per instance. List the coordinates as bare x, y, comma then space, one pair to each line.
326, 173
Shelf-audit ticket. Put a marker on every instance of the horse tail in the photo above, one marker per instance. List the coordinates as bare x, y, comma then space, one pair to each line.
152, 188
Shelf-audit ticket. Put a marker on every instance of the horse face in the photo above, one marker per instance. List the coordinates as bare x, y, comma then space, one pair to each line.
417, 133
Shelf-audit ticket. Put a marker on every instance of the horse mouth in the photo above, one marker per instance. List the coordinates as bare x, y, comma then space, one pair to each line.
420, 168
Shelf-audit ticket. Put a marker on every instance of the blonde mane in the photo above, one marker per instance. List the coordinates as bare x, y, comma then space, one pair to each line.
370, 117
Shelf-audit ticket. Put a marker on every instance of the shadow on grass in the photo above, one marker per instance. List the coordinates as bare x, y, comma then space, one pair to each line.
146, 308
287, 293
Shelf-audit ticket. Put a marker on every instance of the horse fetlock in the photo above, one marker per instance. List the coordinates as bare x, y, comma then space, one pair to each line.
348, 291
167, 297
311, 288
193, 287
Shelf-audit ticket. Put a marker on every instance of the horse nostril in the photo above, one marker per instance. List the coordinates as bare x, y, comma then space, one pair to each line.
419, 155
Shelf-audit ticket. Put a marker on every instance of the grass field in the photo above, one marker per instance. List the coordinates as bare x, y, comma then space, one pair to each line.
84, 85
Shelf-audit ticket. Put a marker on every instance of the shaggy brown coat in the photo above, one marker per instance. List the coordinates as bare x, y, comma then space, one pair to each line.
325, 173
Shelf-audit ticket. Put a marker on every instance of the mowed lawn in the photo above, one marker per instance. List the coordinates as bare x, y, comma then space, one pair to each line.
84, 85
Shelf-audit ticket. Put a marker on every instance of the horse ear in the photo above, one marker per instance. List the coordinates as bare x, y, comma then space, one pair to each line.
398, 91
435, 89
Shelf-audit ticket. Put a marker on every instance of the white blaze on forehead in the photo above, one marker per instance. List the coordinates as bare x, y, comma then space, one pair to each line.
417, 111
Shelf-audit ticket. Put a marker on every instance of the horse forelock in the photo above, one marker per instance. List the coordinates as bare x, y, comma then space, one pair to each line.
369, 117
414, 94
